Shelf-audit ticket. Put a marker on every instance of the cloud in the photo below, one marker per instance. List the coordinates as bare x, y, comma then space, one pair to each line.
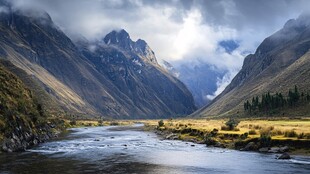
221, 84
179, 31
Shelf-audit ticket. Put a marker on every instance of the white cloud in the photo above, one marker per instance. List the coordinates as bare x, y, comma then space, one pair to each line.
221, 84
178, 30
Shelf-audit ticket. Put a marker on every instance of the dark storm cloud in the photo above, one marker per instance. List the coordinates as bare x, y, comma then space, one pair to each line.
243, 13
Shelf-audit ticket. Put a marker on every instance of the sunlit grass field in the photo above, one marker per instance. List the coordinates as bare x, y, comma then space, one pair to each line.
279, 129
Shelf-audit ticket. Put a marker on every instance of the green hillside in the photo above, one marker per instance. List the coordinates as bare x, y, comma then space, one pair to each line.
23, 121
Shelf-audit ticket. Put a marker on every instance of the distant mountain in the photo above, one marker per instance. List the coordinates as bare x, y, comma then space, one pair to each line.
114, 77
122, 40
279, 63
202, 80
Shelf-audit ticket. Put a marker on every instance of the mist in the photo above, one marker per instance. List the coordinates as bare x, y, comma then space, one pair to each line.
179, 31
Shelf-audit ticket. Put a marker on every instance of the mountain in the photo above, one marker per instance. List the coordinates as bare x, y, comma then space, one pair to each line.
280, 62
202, 79
114, 77
133, 69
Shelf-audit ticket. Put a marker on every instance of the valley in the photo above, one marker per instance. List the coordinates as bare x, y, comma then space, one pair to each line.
203, 93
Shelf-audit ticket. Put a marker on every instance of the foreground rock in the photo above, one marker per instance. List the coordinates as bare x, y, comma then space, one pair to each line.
263, 150
21, 139
284, 156
251, 146
172, 136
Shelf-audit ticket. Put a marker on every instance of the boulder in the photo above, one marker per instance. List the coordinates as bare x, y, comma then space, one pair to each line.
284, 149
249, 147
172, 136
220, 145
284, 156
263, 149
274, 150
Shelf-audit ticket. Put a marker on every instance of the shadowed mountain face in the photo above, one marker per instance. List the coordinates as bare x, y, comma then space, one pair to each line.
202, 80
279, 63
115, 77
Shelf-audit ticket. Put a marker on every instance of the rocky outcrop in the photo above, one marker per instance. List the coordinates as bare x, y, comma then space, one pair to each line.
251, 146
22, 137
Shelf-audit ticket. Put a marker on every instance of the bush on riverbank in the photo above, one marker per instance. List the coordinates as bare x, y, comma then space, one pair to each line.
231, 124
161, 123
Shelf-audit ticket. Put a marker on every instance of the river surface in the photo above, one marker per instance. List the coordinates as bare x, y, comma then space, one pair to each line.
127, 150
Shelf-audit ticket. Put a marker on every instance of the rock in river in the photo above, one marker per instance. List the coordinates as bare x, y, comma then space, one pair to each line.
284, 156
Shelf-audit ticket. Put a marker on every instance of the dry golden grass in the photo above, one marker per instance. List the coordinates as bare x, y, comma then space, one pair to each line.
277, 127
82, 123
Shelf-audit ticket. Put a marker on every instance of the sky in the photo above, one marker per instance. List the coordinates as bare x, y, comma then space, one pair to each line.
216, 32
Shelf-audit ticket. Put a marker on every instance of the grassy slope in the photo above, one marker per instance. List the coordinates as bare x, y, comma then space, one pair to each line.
231, 104
17, 104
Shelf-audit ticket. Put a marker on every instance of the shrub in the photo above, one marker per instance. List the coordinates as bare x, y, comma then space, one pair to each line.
307, 136
265, 140
276, 132
265, 131
224, 127
114, 123
290, 133
210, 141
250, 126
73, 122
301, 136
257, 127
161, 123
244, 136
252, 132
232, 123
214, 132
265, 137
100, 122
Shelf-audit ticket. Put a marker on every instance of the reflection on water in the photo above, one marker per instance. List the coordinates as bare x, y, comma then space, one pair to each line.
120, 150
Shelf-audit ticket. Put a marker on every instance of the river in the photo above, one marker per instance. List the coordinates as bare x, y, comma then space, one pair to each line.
129, 150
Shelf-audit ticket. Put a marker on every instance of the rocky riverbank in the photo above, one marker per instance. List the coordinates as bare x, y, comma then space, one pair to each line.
241, 142
23, 135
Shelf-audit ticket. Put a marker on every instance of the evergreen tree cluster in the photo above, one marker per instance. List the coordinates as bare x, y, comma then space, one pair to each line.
269, 102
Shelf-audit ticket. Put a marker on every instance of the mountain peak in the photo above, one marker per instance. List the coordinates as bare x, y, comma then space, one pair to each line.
117, 38
122, 40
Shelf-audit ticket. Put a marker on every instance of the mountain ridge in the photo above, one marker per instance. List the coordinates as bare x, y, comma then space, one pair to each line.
88, 83
264, 71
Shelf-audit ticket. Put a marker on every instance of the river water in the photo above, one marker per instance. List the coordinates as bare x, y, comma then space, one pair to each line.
128, 150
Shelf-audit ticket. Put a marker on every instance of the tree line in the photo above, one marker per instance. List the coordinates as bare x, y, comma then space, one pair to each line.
268, 102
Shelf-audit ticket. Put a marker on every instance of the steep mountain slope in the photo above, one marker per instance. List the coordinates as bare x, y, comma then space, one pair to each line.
49, 104
84, 82
280, 62
23, 120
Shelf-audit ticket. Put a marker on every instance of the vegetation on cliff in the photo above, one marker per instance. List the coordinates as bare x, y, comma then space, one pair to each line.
23, 121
